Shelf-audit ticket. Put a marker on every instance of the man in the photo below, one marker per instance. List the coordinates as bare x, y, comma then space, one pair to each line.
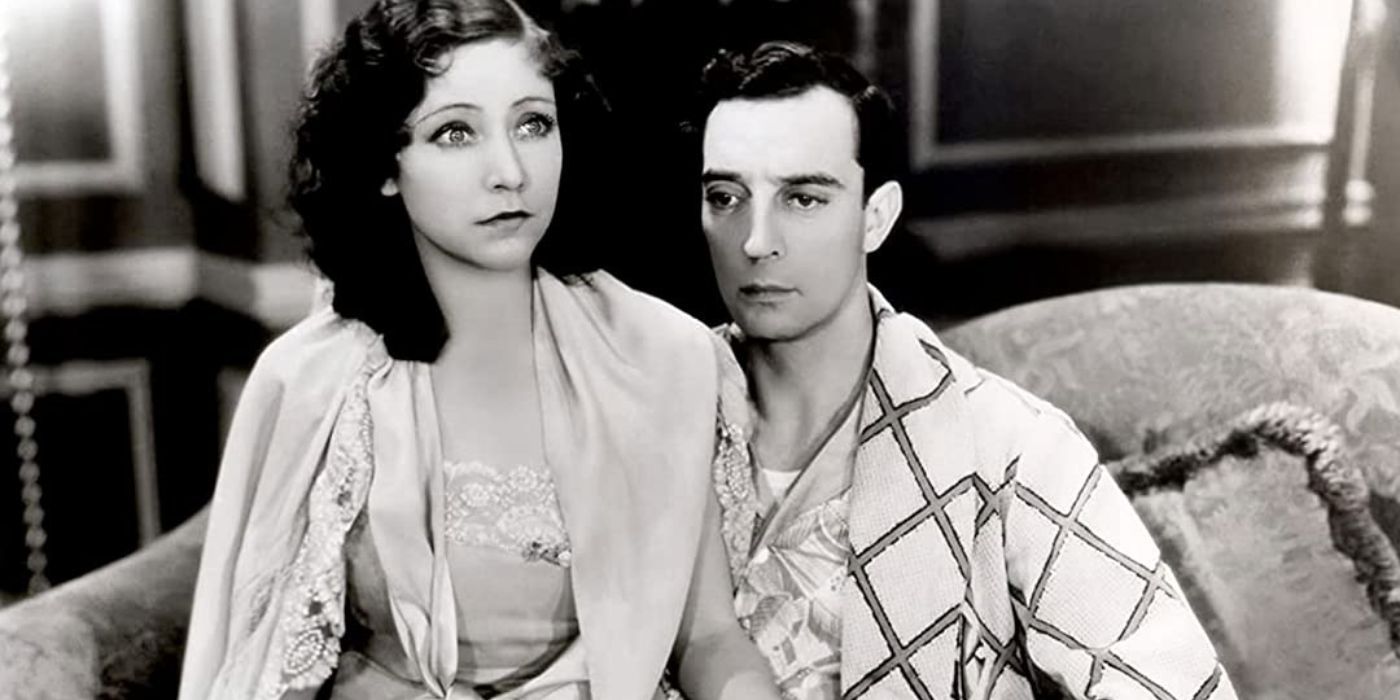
911, 526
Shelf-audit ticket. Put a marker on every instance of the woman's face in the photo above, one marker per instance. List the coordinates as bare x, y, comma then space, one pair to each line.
480, 174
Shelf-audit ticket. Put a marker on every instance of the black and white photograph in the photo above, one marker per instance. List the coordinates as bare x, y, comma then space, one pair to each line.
700, 349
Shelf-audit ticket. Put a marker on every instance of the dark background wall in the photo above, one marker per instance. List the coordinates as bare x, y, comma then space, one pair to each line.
1052, 146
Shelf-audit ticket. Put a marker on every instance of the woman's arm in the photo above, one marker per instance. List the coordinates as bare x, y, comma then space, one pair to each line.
713, 657
270, 461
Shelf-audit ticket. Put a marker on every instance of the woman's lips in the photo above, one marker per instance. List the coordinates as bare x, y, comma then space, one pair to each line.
506, 220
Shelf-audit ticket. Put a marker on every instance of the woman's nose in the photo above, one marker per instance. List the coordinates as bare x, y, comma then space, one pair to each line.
506, 172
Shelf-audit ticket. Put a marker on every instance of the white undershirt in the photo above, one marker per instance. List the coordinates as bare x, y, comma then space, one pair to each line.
779, 482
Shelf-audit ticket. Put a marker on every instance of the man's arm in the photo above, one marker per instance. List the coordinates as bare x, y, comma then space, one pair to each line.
1103, 615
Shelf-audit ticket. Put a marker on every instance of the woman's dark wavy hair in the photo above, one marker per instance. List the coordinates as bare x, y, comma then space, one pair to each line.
350, 128
779, 69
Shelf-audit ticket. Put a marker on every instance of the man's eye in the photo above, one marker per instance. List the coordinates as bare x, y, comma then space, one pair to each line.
536, 126
721, 200
806, 201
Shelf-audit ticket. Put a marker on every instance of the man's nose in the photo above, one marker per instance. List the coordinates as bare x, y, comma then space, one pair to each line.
764, 239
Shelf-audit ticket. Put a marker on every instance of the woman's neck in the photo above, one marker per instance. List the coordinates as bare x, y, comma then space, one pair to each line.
484, 382
487, 312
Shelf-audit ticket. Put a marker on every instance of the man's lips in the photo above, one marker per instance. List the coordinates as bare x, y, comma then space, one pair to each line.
765, 291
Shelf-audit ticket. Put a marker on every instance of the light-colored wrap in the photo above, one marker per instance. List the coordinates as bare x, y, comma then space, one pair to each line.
328, 424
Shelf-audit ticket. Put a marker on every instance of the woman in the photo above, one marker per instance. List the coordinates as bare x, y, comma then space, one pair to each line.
469, 478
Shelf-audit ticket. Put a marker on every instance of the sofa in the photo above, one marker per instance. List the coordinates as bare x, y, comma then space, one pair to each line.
1257, 428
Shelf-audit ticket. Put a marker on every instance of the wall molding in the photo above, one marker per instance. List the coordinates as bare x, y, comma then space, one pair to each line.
122, 172
71, 283
214, 96
276, 294
133, 377
319, 28
926, 152
1285, 210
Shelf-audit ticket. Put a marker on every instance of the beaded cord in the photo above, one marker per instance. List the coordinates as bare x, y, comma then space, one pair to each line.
15, 307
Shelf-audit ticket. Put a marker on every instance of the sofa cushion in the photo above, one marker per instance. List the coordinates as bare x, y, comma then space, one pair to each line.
1269, 529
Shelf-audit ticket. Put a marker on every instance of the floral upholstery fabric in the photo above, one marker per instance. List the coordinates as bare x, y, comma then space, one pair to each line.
1157, 362
115, 633
1142, 367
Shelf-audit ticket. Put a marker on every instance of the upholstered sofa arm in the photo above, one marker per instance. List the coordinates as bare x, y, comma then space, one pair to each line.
1285, 405
116, 632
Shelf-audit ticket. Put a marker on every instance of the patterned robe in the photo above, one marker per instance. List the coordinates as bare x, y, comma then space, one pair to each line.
991, 554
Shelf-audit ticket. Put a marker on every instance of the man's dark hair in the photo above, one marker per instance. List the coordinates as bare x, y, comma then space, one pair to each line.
350, 127
779, 69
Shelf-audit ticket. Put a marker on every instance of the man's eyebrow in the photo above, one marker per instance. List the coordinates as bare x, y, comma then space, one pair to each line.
719, 176
821, 179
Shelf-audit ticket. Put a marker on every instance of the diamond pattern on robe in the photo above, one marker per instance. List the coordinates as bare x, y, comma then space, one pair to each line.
1091, 620
931, 663
897, 572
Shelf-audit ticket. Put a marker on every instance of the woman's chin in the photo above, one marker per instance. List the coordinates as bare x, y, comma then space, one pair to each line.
499, 264
497, 255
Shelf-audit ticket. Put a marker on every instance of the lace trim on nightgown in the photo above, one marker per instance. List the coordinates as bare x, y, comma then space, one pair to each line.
514, 510
312, 618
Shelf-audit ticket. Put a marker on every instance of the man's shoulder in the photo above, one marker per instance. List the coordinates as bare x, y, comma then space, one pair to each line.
994, 398
1014, 425
1005, 418
985, 391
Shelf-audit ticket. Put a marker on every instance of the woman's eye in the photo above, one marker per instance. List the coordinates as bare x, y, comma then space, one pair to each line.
455, 135
536, 126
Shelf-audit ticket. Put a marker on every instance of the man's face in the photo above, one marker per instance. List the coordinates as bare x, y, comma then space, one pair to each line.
783, 211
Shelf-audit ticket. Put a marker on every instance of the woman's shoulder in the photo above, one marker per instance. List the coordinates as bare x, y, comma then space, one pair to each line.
321, 346
631, 312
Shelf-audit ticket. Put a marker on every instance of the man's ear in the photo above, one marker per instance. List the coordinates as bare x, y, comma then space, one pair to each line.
882, 209
389, 188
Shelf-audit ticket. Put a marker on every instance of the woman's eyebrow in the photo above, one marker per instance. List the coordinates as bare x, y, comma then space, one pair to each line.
444, 108
477, 108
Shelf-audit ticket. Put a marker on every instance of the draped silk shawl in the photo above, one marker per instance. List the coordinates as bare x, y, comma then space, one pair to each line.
330, 425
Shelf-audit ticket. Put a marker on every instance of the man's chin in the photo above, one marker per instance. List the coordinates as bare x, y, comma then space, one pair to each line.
766, 329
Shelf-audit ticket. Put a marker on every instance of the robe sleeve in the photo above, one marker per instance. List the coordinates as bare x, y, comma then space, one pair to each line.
1101, 613
274, 447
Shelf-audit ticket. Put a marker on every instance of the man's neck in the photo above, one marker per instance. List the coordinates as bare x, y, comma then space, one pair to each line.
800, 385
